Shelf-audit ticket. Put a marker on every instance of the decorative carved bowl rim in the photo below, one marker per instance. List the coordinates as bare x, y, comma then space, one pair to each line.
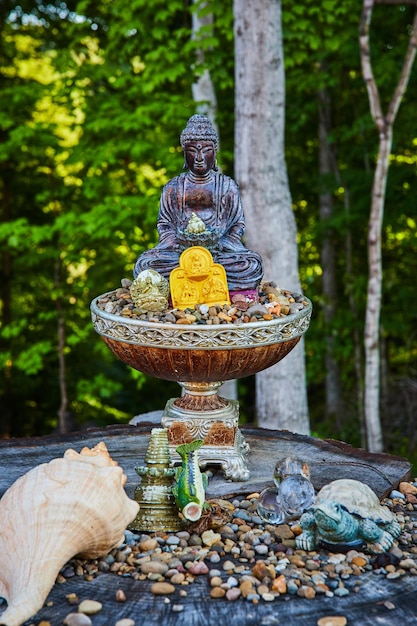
200, 336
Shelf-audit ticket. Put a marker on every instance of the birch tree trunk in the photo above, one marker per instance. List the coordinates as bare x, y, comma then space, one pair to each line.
384, 125
204, 95
203, 90
260, 169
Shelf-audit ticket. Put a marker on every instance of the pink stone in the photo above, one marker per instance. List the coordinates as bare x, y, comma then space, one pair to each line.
198, 568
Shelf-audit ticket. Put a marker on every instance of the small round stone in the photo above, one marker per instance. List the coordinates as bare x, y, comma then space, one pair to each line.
172, 540
332, 620
341, 591
228, 566
154, 567
280, 584
147, 545
90, 607
125, 622
77, 619
268, 597
120, 596
215, 558
232, 594
178, 578
162, 588
209, 538
199, 568
214, 572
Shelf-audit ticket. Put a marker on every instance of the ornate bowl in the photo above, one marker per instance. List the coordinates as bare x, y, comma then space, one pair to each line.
200, 358
199, 353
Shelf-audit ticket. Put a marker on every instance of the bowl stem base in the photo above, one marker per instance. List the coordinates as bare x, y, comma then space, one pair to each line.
204, 415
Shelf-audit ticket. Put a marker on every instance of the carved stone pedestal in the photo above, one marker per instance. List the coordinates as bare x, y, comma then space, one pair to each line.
201, 414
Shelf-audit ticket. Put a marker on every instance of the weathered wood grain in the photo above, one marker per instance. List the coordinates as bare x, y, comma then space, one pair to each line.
328, 460
370, 606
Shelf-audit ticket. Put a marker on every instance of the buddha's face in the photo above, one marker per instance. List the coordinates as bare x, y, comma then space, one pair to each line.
200, 156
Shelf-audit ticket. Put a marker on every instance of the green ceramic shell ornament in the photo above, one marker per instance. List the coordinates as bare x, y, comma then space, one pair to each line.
348, 513
150, 291
191, 484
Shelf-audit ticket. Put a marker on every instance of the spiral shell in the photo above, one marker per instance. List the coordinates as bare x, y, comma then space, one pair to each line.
75, 505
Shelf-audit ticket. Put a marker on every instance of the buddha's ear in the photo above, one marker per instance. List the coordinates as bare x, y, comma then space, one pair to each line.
215, 166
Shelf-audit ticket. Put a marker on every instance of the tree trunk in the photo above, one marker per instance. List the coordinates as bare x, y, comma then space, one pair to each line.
384, 125
6, 315
260, 169
63, 408
356, 335
204, 95
327, 164
203, 89
373, 304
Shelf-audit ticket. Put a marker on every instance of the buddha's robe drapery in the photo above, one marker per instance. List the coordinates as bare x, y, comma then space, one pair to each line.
217, 202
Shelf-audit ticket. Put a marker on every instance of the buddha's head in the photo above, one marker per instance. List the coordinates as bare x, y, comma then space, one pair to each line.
200, 142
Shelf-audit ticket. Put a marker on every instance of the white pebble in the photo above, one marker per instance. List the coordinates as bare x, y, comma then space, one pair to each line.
77, 619
336, 558
90, 607
125, 622
214, 572
268, 597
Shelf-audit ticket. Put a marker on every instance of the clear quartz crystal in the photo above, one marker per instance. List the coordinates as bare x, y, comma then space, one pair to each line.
269, 507
290, 466
294, 493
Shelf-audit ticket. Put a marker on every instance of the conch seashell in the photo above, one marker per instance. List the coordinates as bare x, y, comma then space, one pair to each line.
75, 505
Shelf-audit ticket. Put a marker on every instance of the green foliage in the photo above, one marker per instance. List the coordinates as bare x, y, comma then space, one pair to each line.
94, 97
322, 56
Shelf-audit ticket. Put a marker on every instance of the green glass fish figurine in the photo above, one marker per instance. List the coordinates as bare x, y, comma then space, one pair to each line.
190, 488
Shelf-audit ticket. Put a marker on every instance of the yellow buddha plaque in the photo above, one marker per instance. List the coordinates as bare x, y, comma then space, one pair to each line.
198, 280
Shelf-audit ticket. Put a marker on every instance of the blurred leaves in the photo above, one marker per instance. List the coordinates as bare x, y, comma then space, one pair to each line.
93, 99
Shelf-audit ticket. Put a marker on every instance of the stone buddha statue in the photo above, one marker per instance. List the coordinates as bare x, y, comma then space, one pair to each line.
202, 194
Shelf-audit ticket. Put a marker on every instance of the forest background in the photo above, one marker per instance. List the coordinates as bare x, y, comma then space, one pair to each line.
93, 97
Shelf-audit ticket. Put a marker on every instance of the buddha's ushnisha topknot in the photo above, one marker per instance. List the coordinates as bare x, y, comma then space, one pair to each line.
199, 128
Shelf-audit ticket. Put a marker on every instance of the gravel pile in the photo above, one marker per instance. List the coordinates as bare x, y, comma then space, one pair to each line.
272, 304
248, 560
